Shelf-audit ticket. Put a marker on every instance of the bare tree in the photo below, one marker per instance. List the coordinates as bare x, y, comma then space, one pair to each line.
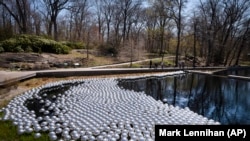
244, 39
151, 25
100, 19
109, 15
36, 18
54, 7
162, 10
128, 9
210, 10
20, 11
158, 22
6, 28
116, 37
221, 24
235, 12
177, 7
79, 10
195, 22
134, 36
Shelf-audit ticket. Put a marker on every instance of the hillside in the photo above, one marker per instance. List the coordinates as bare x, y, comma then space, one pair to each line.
36, 61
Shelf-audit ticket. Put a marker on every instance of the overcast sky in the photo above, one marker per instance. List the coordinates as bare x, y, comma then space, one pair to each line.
190, 6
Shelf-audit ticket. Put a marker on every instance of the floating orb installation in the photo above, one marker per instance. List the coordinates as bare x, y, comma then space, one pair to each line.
93, 109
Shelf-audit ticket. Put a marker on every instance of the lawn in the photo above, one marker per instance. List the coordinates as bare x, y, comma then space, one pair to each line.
8, 132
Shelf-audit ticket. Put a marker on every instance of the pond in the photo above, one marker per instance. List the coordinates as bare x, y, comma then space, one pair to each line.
234, 71
218, 98
95, 109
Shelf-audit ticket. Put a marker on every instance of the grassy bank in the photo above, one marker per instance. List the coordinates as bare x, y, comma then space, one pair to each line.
9, 133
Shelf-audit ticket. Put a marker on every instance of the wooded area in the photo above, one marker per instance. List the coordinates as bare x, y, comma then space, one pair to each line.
217, 30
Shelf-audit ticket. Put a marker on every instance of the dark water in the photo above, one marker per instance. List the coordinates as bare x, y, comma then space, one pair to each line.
48, 94
224, 100
239, 72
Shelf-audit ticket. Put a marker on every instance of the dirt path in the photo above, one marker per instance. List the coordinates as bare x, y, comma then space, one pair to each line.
127, 63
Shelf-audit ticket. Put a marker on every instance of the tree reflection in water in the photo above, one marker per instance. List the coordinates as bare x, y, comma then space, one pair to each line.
224, 100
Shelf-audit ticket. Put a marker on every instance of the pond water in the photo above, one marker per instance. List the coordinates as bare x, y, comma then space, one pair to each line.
46, 97
239, 72
218, 98
100, 109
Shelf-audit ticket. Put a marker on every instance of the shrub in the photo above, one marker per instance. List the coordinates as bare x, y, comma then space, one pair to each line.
1, 49
107, 49
9, 45
74, 45
18, 49
31, 43
28, 49
65, 50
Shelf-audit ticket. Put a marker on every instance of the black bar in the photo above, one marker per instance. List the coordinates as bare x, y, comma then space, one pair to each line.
225, 132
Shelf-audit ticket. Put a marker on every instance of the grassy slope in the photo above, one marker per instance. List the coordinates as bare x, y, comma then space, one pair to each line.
9, 133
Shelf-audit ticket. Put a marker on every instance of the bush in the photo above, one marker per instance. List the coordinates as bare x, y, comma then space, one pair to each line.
107, 49
28, 49
1, 49
65, 50
31, 43
18, 49
9, 45
74, 45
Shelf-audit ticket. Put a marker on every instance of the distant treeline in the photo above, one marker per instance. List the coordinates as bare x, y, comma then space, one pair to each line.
217, 30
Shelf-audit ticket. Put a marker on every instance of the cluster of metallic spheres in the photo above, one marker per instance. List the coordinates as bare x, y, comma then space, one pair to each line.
96, 109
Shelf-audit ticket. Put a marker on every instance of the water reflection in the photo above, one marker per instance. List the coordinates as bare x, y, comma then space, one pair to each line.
240, 72
224, 100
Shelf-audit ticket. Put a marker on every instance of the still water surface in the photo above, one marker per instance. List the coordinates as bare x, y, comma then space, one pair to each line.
222, 99
239, 72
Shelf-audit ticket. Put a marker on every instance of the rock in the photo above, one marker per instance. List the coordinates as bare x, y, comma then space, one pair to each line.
76, 64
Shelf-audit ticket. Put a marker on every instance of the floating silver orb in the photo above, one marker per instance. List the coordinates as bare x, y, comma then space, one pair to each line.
95, 109
37, 135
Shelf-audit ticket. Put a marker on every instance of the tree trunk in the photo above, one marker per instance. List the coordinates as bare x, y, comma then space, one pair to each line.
194, 49
124, 26
244, 40
229, 52
50, 28
87, 46
178, 45
178, 20
55, 30
239, 52
210, 49
100, 30
108, 30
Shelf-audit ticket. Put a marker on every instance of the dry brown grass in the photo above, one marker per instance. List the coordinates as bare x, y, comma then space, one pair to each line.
98, 61
93, 60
